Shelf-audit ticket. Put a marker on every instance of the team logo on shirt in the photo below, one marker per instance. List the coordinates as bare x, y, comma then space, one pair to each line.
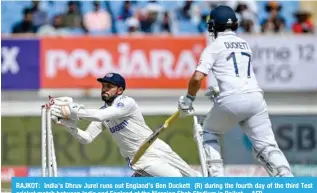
120, 104
118, 127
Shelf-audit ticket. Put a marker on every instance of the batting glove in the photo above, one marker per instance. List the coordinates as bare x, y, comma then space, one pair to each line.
212, 93
68, 111
185, 105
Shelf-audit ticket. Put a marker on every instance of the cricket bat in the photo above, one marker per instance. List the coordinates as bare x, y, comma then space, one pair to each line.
149, 141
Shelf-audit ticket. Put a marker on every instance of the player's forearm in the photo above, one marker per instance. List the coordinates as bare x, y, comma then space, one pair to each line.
194, 85
100, 114
82, 136
85, 137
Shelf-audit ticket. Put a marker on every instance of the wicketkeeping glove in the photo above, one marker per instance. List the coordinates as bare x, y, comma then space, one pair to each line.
64, 122
62, 100
68, 111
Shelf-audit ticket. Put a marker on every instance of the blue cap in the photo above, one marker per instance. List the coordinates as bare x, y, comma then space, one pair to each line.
113, 78
223, 14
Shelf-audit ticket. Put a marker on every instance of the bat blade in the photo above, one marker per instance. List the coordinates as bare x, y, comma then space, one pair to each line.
149, 141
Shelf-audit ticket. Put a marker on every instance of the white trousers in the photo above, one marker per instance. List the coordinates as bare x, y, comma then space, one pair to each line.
250, 112
162, 161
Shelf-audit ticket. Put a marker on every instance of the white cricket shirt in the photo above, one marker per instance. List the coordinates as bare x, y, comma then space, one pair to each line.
230, 60
125, 122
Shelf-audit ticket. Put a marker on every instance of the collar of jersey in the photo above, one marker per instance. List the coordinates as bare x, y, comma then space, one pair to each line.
226, 33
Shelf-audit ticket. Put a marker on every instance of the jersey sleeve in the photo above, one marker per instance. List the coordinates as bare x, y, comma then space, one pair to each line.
206, 61
121, 108
85, 137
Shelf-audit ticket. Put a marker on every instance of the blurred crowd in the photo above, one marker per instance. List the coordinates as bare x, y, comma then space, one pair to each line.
153, 17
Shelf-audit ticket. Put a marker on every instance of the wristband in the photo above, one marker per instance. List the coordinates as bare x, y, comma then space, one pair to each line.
192, 98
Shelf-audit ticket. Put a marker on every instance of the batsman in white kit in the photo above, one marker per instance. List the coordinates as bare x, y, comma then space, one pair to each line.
238, 98
122, 117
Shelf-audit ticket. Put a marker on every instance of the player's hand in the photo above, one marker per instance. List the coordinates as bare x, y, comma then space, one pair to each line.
212, 93
68, 111
185, 106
